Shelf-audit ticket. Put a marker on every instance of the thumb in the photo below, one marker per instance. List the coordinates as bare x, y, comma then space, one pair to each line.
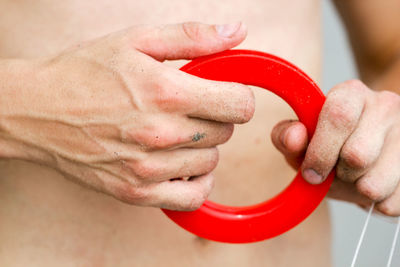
187, 40
291, 139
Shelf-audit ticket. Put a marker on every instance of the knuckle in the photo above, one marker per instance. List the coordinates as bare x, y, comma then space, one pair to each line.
158, 141
370, 190
131, 194
354, 156
192, 30
388, 209
354, 87
339, 114
354, 84
155, 137
142, 169
166, 92
340, 109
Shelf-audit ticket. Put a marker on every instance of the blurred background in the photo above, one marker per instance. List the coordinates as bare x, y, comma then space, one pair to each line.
348, 219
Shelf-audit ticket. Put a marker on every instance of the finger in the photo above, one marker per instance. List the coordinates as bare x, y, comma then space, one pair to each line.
221, 101
181, 194
170, 132
205, 134
165, 165
364, 146
383, 178
345, 191
186, 94
187, 40
338, 118
390, 206
176, 195
290, 138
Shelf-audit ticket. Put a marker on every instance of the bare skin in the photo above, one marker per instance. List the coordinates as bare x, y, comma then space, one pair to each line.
358, 128
50, 221
73, 225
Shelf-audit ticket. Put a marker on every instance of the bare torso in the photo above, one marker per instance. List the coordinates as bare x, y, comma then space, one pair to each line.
49, 221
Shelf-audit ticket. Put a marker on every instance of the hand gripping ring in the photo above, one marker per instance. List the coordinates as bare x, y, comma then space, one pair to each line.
281, 213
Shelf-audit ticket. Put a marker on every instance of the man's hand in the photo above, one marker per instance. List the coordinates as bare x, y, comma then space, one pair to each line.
358, 133
108, 114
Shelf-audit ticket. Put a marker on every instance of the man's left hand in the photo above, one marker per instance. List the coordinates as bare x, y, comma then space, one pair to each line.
358, 134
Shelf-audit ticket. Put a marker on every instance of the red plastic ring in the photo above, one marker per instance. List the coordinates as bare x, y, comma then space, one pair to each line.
275, 216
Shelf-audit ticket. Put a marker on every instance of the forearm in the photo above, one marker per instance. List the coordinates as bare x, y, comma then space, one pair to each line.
389, 80
15, 75
17, 79
373, 28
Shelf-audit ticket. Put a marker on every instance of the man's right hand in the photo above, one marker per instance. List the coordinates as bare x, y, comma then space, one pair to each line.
108, 114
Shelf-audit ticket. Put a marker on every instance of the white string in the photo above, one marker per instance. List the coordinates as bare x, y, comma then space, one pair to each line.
394, 243
362, 235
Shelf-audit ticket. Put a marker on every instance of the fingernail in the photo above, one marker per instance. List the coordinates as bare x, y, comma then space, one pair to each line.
312, 176
227, 30
283, 137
